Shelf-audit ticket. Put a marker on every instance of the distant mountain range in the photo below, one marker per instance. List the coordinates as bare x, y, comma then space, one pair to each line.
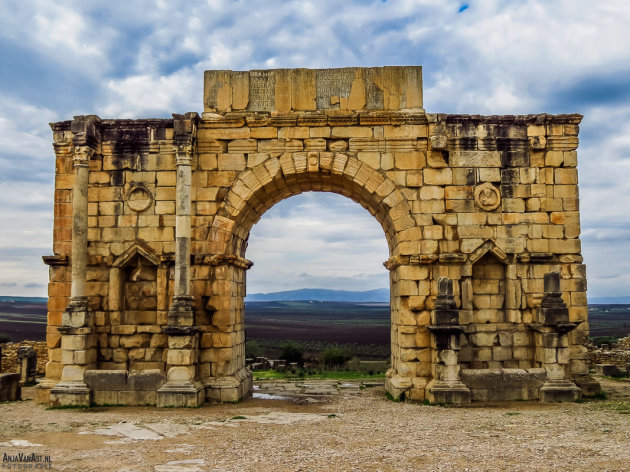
379, 295
6, 299
609, 300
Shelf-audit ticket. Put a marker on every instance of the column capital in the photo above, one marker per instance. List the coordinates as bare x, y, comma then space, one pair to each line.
86, 130
183, 154
81, 156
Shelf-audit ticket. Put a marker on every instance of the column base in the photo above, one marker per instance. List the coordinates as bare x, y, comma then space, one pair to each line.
182, 311
186, 394
449, 392
398, 387
42, 391
229, 389
559, 391
70, 394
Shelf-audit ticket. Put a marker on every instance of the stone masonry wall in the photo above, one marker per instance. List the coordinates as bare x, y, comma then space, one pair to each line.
490, 202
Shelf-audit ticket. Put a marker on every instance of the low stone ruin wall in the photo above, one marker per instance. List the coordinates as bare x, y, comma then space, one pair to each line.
10, 361
624, 343
618, 357
612, 370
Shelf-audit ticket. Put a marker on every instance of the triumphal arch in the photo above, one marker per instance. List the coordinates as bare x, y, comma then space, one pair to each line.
152, 218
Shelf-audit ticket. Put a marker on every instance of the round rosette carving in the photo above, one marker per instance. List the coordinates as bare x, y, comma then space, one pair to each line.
487, 197
139, 198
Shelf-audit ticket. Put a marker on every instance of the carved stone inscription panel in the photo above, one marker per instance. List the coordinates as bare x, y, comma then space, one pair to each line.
284, 90
332, 84
262, 90
373, 96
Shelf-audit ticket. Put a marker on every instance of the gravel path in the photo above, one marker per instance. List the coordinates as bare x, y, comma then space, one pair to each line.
347, 433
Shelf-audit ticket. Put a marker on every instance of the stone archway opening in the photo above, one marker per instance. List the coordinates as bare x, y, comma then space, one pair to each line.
275, 179
312, 248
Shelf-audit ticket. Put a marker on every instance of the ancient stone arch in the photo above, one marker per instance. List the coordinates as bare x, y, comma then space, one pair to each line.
259, 188
152, 218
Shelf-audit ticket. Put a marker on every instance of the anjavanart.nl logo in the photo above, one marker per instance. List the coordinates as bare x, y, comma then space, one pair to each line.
23, 461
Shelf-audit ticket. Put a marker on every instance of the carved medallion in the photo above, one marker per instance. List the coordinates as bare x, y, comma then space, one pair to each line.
139, 198
487, 197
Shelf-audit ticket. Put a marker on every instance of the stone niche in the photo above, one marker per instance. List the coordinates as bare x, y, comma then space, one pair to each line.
133, 290
480, 213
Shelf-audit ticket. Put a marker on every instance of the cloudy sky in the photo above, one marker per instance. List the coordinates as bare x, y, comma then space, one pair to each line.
146, 59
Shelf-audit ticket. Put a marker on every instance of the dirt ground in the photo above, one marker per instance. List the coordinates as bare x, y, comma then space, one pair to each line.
345, 433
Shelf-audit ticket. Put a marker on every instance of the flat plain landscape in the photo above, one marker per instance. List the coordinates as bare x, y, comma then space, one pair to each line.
273, 322
23, 318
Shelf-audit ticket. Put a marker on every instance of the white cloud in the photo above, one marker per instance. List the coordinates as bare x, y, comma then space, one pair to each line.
26, 211
26, 198
62, 31
145, 96
317, 240
25, 130
525, 49
604, 166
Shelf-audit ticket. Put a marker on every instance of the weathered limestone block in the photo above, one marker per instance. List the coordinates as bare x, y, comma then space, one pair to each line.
77, 342
120, 355
180, 357
136, 340
136, 354
106, 380
181, 342
131, 397
105, 397
504, 384
148, 380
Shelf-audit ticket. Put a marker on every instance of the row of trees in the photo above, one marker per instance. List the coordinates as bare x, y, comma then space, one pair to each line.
275, 347
294, 352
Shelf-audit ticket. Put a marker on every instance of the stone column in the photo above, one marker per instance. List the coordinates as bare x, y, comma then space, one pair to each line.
552, 343
181, 312
115, 296
182, 387
78, 343
446, 386
82, 155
